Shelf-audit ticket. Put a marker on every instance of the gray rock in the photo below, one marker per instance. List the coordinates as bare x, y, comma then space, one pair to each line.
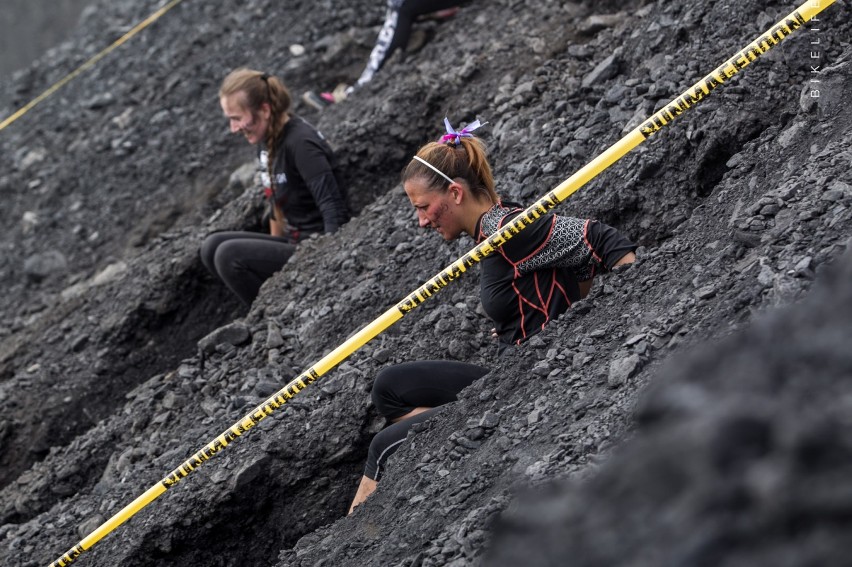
249, 471
273, 336
235, 334
48, 264
706, 292
622, 369
606, 69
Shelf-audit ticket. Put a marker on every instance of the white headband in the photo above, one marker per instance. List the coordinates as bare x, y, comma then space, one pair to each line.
433, 168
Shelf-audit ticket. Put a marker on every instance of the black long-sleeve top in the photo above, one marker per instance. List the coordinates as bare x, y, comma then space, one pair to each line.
307, 183
534, 277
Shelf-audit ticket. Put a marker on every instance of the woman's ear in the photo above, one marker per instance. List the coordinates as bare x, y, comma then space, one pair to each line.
456, 192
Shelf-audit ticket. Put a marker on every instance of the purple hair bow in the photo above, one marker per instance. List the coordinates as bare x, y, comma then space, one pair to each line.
455, 137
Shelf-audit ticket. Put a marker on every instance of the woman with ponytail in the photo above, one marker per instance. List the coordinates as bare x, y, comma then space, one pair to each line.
300, 177
528, 282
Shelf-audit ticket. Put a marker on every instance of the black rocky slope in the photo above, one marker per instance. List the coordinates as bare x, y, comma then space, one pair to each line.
742, 458
739, 206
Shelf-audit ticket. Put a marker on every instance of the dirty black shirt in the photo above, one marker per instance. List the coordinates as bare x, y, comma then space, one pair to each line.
534, 276
307, 182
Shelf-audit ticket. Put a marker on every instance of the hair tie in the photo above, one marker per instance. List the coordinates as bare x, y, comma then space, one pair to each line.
265, 78
454, 137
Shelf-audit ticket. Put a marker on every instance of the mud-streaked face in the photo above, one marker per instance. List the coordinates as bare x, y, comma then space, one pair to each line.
252, 125
435, 209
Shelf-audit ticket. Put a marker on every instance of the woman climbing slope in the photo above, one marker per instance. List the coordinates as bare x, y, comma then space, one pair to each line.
527, 283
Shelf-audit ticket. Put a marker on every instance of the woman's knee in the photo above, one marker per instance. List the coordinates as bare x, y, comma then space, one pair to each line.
226, 258
214, 249
207, 251
386, 389
383, 394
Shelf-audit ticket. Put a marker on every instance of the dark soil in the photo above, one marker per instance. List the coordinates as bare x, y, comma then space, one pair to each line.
692, 411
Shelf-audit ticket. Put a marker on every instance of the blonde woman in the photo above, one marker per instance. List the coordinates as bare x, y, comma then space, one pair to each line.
301, 179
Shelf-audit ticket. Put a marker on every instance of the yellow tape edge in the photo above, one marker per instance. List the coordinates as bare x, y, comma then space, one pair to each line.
119, 518
90, 63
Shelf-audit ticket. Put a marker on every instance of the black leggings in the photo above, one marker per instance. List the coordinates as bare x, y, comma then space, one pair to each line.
244, 260
401, 388
396, 30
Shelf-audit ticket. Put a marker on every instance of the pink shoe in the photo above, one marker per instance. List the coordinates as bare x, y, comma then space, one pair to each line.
441, 15
324, 100
446, 14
